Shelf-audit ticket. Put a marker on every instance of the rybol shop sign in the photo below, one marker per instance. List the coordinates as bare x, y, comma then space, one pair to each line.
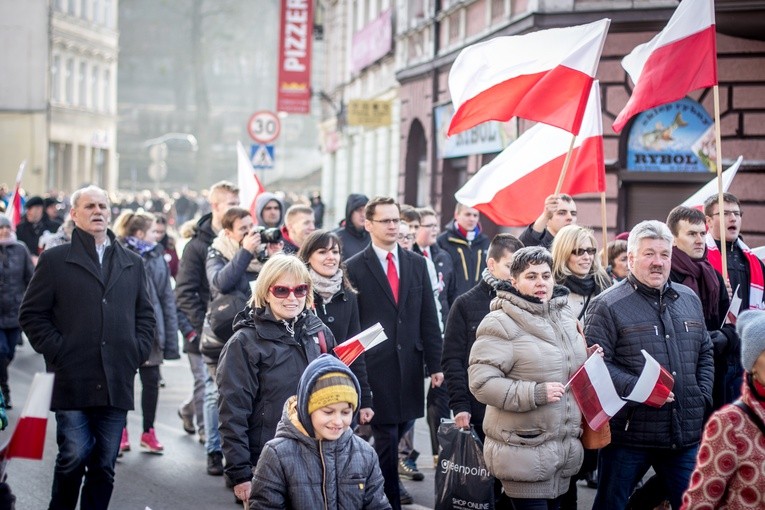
675, 137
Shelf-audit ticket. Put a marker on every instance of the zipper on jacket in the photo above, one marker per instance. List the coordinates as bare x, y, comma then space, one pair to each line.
464, 264
324, 307
656, 329
323, 476
478, 266
627, 425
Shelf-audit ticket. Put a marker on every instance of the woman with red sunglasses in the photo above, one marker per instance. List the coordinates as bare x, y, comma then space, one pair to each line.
274, 339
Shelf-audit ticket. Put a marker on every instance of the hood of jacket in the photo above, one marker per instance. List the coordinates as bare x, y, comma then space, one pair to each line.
506, 292
355, 200
322, 365
260, 204
203, 229
269, 327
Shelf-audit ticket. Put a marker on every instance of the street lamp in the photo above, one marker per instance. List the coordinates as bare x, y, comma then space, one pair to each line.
183, 137
158, 152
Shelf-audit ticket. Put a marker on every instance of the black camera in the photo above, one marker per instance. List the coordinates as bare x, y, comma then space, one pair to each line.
268, 235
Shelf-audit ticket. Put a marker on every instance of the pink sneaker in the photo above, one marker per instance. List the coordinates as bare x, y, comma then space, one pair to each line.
150, 443
124, 442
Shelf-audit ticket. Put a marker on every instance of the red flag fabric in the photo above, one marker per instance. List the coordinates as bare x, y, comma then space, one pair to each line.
678, 60
512, 188
352, 348
249, 184
543, 76
28, 439
14, 205
654, 384
595, 393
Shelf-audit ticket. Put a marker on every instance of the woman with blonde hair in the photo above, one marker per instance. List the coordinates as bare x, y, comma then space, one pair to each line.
136, 231
576, 267
275, 337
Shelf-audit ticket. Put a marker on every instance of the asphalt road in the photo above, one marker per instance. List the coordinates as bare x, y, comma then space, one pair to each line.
175, 480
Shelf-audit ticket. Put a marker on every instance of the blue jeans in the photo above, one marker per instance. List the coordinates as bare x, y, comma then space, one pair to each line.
535, 504
211, 411
88, 444
194, 405
620, 468
9, 338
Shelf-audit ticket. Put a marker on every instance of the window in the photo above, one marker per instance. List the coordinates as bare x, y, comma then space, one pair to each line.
82, 85
55, 78
69, 76
107, 94
94, 103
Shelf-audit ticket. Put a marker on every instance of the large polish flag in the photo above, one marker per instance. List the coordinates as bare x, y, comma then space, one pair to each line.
249, 184
679, 59
512, 188
595, 393
543, 76
28, 440
696, 201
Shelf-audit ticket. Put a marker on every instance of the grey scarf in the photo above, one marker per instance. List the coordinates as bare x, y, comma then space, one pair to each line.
326, 287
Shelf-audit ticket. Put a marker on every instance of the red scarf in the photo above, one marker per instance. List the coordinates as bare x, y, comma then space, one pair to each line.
756, 280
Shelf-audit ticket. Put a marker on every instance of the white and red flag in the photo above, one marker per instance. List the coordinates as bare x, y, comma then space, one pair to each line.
354, 347
696, 201
14, 204
512, 188
679, 59
543, 76
654, 384
249, 184
28, 439
595, 393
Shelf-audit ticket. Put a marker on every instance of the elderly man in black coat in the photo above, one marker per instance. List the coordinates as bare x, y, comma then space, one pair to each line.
394, 290
87, 311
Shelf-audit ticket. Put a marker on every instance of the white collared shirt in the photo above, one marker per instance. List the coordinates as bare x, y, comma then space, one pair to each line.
101, 249
382, 256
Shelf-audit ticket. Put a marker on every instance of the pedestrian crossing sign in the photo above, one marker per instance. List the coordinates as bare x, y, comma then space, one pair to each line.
262, 156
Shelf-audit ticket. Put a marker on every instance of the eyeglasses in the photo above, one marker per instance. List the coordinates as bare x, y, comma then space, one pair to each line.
581, 251
389, 222
283, 292
432, 225
5, 226
410, 237
737, 214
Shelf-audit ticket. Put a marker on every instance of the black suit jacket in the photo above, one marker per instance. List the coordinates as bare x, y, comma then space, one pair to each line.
395, 368
93, 333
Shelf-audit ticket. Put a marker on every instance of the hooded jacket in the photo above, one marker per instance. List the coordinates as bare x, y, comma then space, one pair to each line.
531, 446
15, 273
298, 471
258, 370
260, 204
354, 239
468, 259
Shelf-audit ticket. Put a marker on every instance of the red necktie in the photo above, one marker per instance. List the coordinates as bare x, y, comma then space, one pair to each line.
425, 253
393, 277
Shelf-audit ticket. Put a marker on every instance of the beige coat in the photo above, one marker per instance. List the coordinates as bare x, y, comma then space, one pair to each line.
531, 446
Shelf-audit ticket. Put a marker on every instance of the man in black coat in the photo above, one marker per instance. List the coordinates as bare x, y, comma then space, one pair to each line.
352, 232
467, 247
192, 293
34, 224
87, 311
394, 290
426, 244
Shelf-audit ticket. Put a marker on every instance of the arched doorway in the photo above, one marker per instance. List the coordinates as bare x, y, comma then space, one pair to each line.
416, 181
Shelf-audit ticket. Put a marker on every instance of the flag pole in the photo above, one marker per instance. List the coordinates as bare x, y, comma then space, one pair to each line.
604, 223
720, 201
565, 165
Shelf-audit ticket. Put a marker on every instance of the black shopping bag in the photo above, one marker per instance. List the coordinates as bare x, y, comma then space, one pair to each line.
462, 480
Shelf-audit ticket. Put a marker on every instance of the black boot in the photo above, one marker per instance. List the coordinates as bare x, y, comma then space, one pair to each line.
6, 390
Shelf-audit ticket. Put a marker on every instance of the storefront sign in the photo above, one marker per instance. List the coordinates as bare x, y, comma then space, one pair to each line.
675, 137
485, 138
293, 90
372, 42
369, 113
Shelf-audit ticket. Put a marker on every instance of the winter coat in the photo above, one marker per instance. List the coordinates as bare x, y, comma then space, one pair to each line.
468, 259
192, 291
531, 446
297, 471
341, 315
165, 345
15, 273
354, 240
93, 330
529, 237
260, 204
445, 273
466, 314
258, 370
396, 371
30, 233
730, 472
669, 325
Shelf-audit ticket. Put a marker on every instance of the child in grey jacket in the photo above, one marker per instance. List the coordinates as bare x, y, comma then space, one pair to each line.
315, 460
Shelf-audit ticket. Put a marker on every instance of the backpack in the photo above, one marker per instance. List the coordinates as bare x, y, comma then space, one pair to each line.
223, 310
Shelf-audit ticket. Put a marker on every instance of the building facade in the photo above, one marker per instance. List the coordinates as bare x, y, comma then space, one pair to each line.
58, 112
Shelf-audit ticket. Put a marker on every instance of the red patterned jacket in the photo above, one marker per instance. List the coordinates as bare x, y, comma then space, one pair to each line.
730, 467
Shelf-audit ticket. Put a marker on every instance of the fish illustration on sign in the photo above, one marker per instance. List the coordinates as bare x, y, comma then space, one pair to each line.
660, 137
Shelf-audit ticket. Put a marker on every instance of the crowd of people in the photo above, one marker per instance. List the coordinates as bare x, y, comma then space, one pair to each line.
498, 326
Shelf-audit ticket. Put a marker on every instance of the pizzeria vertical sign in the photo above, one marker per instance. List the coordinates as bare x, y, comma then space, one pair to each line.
296, 35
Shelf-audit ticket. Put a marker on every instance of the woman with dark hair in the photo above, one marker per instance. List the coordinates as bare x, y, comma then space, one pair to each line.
617, 260
335, 301
168, 243
526, 349
136, 231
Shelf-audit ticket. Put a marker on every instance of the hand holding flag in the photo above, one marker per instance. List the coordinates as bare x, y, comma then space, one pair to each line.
354, 347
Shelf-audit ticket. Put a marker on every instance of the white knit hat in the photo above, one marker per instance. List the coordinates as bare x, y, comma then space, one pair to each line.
750, 327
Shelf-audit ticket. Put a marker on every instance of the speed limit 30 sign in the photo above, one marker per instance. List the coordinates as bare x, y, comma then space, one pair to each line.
264, 126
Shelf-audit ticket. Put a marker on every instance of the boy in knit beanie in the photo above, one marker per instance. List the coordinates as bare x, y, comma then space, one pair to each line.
315, 449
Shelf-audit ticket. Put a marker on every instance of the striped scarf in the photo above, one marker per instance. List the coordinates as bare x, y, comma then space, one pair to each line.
756, 280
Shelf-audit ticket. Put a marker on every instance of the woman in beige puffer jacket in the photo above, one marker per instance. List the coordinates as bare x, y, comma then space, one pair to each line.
526, 350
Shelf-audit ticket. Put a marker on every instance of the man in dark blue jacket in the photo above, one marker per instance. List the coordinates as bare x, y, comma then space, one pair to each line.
467, 247
647, 312
352, 232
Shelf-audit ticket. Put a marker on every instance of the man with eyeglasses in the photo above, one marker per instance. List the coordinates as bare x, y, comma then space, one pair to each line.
467, 247
745, 270
394, 290
426, 245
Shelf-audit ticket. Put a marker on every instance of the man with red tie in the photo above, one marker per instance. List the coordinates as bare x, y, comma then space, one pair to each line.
394, 290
